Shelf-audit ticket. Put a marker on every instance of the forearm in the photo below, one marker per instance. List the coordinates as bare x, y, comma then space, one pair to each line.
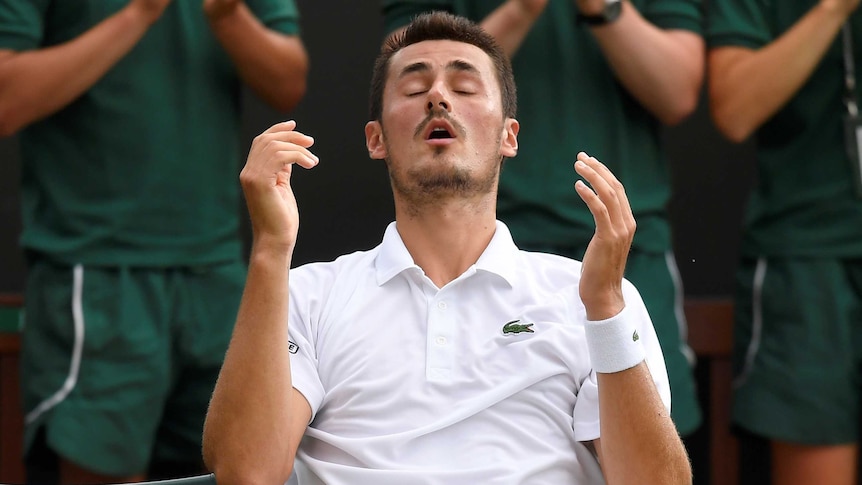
247, 435
509, 24
272, 64
35, 84
748, 87
639, 444
662, 69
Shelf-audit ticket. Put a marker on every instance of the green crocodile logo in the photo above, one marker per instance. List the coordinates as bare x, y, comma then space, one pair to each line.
635, 336
514, 327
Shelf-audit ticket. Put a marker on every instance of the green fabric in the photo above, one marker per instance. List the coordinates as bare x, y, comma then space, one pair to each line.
142, 169
151, 345
569, 101
10, 319
797, 350
803, 204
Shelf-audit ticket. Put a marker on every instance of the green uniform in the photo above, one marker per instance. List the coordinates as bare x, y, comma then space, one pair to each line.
569, 100
799, 295
136, 177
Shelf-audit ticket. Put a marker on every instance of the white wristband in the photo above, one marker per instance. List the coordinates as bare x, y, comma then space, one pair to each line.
614, 344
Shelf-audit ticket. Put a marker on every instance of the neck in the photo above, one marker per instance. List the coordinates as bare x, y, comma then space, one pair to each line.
448, 238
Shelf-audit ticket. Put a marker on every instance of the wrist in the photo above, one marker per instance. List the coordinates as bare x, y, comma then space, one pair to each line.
271, 248
529, 9
217, 11
837, 9
590, 8
611, 305
599, 13
614, 344
141, 15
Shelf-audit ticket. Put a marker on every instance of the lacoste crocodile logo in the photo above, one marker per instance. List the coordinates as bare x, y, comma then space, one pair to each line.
635, 336
514, 327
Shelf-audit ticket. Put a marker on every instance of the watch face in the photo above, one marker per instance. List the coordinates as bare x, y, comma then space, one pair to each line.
613, 8
610, 12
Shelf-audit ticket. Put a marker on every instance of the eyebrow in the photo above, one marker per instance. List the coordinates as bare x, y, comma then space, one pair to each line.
456, 65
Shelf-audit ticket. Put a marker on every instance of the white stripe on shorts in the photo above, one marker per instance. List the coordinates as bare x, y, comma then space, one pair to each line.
72, 378
756, 322
679, 308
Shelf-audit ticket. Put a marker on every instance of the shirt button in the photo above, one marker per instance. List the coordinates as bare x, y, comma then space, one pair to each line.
441, 305
441, 340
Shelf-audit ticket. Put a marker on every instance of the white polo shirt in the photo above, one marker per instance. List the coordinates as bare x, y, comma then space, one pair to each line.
486, 380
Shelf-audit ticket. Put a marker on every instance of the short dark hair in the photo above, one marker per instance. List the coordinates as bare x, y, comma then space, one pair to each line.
443, 26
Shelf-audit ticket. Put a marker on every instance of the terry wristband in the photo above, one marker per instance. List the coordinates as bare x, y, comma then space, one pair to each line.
614, 344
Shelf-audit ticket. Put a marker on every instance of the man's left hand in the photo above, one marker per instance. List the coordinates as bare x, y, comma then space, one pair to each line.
604, 262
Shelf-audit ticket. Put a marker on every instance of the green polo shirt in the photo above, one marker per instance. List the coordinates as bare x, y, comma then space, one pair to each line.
804, 202
569, 100
142, 169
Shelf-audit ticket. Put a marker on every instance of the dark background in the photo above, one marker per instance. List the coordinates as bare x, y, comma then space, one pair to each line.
345, 202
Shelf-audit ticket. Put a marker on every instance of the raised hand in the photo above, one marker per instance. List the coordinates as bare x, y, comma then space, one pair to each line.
265, 181
152, 9
604, 262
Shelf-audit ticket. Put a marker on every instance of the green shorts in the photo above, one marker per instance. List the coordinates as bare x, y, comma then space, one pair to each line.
797, 349
656, 277
118, 364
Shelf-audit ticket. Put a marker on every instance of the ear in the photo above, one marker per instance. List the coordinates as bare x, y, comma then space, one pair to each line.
509, 140
374, 140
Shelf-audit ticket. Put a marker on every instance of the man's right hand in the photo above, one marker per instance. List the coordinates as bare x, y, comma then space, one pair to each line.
150, 9
265, 181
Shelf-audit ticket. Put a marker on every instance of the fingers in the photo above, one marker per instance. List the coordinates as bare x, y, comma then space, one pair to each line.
607, 200
293, 154
273, 154
281, 143
284, 131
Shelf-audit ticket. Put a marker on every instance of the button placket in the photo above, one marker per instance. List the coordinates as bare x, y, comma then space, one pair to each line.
439, 339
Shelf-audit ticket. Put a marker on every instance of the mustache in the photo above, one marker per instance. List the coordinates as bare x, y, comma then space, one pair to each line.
439, 114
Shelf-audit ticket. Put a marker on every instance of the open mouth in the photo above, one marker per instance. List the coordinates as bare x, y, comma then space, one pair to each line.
439, 133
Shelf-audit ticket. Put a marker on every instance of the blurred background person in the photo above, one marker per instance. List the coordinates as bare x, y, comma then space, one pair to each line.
784, 72
128, 114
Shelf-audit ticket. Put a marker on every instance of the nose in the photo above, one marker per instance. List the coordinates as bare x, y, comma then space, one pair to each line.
437, 99
443, 105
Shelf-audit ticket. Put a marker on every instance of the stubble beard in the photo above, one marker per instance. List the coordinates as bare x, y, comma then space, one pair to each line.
422, 187
437, 183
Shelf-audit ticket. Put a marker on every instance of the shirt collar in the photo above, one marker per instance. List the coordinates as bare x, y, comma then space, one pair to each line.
499, 258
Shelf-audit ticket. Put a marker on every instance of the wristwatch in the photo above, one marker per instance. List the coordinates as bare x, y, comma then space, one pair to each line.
611, 12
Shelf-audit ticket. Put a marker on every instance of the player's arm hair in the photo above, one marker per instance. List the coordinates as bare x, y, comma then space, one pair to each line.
256, 418
639, 444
